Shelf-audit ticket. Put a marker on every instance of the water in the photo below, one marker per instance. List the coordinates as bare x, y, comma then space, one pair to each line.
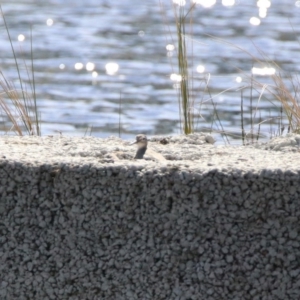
140, 97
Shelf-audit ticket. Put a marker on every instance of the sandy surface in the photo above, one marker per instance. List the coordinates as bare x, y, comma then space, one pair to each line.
194, 151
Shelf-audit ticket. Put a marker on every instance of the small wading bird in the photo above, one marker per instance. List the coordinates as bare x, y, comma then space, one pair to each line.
141, 141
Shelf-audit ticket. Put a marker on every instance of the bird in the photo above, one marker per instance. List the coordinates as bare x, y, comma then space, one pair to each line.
141, 141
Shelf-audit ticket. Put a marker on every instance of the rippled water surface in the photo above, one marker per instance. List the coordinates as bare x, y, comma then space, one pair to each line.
139, 96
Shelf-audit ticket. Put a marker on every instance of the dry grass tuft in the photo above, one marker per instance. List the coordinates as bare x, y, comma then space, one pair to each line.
19, 105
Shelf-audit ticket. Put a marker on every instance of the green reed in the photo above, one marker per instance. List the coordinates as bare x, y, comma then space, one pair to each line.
185, 100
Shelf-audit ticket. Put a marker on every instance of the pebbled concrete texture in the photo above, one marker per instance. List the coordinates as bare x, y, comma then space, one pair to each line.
79, 219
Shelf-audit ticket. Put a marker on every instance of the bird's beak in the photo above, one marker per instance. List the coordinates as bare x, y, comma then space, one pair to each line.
133, 143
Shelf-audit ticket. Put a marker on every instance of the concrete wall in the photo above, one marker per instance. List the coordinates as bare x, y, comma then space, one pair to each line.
147, 231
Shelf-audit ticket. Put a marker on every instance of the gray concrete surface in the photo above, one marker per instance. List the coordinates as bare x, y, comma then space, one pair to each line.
80, 219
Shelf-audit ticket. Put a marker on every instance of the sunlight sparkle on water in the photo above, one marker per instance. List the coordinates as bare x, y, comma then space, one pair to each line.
94, 74
262, 12
297, 3
62, 66
21, 37
239, 79
49, 22
90, 66
205, 3
141, 33
264, 3
180, 2
111, 68
254, 21
78, 66
200, 69
170, 47
228, 2
263, 71
175, 77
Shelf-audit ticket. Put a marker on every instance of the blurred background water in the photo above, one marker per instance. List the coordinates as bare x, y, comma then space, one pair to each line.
109, 67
